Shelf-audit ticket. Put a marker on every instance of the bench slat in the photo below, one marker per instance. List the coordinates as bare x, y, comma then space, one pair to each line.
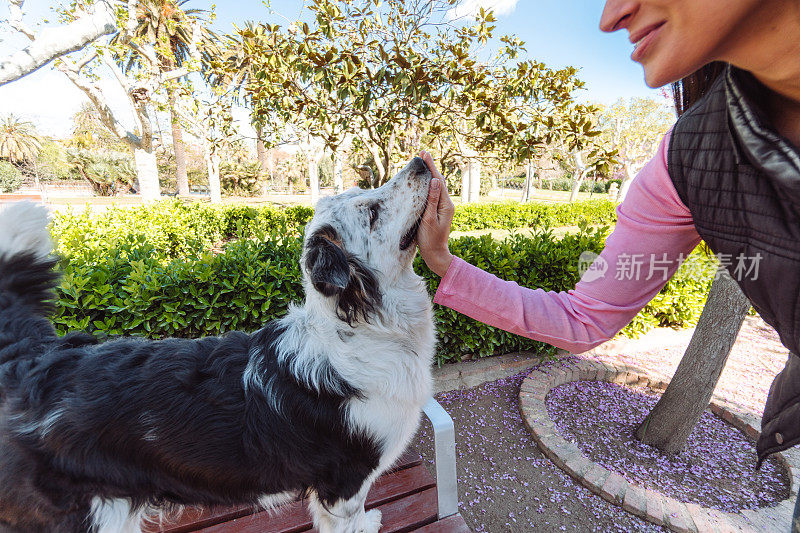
399, 516
193, 518
408, 469
408, 459
451, 524
410, 513
294, 516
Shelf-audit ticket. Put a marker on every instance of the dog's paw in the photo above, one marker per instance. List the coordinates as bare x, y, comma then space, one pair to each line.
372, 522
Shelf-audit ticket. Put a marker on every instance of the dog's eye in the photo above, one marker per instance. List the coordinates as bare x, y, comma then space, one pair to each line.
373, 214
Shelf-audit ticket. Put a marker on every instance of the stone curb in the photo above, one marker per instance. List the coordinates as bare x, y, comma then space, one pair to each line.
635, 499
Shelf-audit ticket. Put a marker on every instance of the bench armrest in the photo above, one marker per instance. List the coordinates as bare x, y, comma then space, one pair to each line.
444, 439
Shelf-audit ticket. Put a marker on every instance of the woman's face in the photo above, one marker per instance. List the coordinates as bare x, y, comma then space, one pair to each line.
673, 38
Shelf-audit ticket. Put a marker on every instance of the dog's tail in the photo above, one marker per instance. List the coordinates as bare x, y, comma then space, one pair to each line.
26, 266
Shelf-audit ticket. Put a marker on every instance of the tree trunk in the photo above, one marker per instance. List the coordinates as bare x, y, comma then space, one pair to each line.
576, 186
474, 180
626, 183
669, 424
181, 175
214, 184
526, 187
147, 174
465, 182
261, 152
53, 42
378, 160
313, 178
338, 174
580, 174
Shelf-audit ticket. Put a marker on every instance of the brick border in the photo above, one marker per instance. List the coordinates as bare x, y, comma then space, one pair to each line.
644, 503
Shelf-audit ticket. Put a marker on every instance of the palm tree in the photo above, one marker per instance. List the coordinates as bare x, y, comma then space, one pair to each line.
19, 142
171, 29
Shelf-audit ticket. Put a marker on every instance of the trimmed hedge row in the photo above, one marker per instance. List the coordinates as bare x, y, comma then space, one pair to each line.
511, 215
134, 288
173, 228
177, 229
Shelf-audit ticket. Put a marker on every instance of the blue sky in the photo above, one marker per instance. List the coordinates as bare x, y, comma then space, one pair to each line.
559, 33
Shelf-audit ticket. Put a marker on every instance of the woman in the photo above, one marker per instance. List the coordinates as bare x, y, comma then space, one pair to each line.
727, 173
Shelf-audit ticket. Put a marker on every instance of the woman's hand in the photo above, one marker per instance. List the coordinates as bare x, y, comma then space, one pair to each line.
434, 231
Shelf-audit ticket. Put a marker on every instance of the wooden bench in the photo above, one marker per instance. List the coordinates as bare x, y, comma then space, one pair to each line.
408, 496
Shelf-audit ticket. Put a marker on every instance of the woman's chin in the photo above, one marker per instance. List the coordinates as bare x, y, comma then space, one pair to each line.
655, 77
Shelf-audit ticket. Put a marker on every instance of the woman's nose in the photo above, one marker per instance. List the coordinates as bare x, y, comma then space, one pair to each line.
617, 14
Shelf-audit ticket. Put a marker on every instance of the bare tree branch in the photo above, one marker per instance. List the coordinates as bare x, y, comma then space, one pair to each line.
95, 95
52, 43
15, 19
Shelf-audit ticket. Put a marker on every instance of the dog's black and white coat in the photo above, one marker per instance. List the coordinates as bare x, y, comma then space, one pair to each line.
95, 436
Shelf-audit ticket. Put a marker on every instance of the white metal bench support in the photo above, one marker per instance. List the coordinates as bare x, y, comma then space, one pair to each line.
444, 439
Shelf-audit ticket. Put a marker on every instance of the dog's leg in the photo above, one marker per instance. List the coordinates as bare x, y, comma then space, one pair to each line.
345, 516
114, 516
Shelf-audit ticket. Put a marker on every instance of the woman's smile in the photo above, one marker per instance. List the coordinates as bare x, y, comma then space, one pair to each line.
643, 39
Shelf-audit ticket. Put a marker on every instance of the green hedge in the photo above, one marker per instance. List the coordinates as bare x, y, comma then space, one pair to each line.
173, 228
136, 287
511, 215
177, 229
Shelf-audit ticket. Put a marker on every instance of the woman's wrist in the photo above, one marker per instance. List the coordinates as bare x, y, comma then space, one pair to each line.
441, 263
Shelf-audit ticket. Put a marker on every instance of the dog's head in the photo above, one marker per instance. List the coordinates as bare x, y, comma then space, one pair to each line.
361, 242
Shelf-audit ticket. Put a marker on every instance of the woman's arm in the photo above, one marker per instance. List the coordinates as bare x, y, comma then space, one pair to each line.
654, 230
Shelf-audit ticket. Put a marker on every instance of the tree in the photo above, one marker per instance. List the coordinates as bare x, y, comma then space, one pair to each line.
141, 83
236, 71
19, 142
87, 25
677, 412
177, 36
634, 128
211, 120
391, 73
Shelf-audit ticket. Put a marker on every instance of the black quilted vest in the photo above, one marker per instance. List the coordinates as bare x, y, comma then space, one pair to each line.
741, 181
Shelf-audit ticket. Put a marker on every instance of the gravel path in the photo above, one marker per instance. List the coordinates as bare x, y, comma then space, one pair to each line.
505, 483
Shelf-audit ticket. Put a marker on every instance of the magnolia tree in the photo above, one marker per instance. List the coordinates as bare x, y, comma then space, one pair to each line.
137, 58
634, 128
391, 74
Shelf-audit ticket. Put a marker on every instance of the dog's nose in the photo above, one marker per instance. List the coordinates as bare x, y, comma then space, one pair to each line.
418, 166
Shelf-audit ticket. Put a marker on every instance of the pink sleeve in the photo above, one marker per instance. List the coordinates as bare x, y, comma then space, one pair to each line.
654, 232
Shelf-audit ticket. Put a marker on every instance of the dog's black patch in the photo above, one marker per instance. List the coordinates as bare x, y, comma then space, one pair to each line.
340, 274
26, 280
165, 422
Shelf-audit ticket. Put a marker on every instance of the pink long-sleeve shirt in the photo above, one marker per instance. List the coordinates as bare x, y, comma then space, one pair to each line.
653, 234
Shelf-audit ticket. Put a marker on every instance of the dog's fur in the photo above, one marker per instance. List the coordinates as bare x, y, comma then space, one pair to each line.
94, 436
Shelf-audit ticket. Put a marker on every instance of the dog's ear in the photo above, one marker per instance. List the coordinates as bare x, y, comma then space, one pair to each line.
362, 296
335, 272
326, 262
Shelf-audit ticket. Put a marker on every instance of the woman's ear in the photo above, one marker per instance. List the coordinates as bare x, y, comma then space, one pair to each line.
326, 262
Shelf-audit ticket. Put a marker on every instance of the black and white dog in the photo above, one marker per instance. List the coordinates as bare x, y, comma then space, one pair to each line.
96, 436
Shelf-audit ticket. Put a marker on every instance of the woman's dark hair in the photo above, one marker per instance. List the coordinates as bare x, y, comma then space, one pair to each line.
690, 89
